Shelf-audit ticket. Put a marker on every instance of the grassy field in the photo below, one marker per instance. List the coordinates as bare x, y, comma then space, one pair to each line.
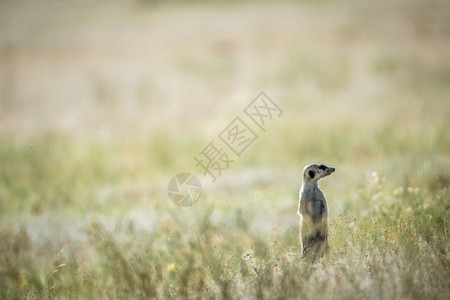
101, 104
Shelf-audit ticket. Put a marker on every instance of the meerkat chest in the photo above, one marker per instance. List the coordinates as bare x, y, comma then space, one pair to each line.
313, 203
314, 209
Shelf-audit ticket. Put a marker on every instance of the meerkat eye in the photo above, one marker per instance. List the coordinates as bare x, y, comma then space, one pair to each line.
311, 174
322, 167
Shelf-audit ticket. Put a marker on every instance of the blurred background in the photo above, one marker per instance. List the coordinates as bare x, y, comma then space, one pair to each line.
101, 103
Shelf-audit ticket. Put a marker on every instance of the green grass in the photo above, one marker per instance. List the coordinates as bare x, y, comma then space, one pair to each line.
388, 234
399, 249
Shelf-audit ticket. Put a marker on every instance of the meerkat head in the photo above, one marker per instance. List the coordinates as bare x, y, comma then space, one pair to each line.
312, 173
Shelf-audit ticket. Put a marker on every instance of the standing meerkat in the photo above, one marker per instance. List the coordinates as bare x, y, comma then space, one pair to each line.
313, 210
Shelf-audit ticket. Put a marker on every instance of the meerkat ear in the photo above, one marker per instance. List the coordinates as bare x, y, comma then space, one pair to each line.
311, 174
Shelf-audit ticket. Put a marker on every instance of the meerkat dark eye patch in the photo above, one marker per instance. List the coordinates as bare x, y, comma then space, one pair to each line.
322, 167
311, 174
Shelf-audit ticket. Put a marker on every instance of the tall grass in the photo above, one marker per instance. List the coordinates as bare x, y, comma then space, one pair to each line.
397, 250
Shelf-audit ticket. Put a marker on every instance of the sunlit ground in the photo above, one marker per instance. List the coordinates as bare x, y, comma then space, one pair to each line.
101, 104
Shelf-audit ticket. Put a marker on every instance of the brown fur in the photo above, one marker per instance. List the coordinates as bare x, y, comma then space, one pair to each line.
313, 210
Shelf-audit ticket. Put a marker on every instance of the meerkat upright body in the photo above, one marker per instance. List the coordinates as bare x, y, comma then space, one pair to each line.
312, 208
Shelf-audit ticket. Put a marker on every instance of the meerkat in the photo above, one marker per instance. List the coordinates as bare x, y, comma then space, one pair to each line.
313, 210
